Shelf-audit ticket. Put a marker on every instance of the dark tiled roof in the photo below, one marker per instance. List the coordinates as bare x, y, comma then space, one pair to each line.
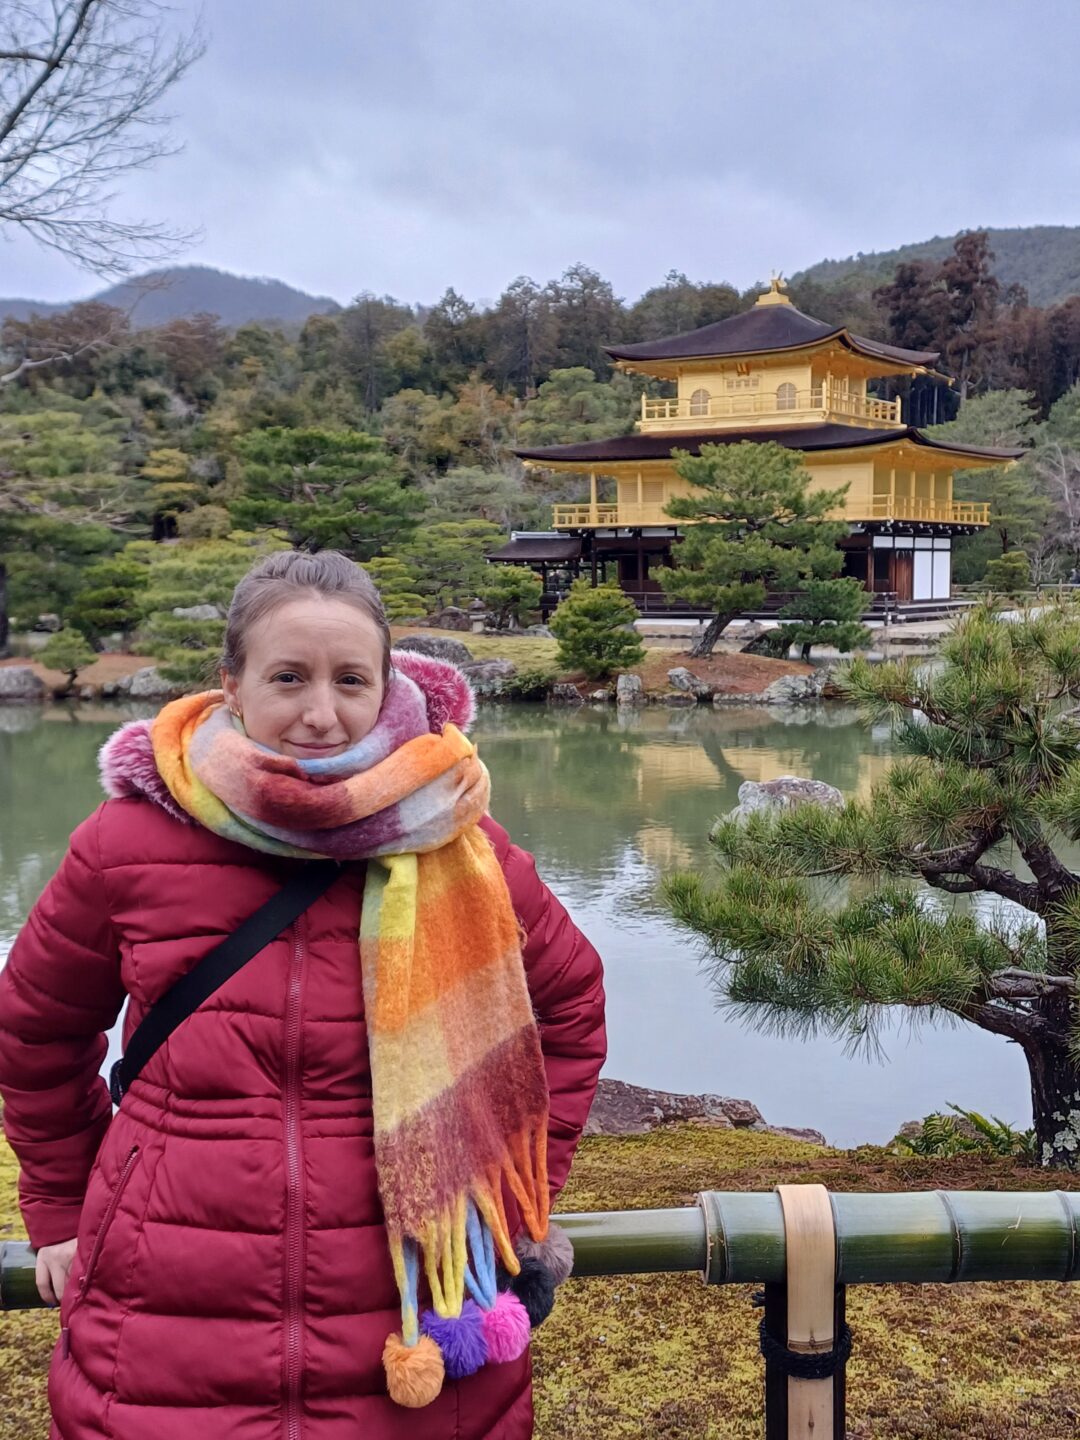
795, 437
539, 547
763, 327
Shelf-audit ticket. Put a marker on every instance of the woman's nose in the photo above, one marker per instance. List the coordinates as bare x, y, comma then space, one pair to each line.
319, 711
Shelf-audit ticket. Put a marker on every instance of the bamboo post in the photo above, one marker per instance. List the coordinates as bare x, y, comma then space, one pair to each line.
810, 1241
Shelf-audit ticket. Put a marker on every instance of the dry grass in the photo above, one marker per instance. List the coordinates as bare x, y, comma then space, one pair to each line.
665, 1358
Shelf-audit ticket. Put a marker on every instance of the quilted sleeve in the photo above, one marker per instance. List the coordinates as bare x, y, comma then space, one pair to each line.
59, 992
566, 983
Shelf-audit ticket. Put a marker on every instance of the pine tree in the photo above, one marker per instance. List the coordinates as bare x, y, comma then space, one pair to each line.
512, 593
594, 628
756, 529
826, 612
992, 770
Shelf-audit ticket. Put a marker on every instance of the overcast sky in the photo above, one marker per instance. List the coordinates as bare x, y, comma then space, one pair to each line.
407, 145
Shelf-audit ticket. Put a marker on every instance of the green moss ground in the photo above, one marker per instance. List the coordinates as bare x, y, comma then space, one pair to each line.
665, 1358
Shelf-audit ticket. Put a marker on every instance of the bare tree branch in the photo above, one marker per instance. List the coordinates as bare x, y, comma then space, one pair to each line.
81, 83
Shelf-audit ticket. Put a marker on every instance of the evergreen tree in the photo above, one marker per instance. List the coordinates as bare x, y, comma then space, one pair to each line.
594, 628
195, 573
396, 584
448, 559
512, 593
825, 612
756, 529
326, 489
110, 597
991, 739
69, 652
1009, 574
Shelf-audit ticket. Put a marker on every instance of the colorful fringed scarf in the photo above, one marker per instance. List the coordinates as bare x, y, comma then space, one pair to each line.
458, 1088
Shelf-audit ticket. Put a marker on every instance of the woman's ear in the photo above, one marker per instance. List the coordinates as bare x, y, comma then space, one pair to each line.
228, 684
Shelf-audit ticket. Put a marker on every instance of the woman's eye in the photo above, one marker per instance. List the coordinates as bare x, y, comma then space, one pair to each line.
353, 680
287, 675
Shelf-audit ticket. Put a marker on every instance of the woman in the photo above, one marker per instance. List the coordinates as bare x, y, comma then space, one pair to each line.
297, 1211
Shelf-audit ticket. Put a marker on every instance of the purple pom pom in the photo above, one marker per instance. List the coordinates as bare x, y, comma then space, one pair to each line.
461, 1339
506, 1328
535, 1288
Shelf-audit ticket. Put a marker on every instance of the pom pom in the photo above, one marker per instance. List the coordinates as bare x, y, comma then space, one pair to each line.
460, 1338
414, 1373
535, 1288
555, 1252
506, 1328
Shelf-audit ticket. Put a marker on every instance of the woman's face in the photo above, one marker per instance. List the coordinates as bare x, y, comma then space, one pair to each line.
312, 681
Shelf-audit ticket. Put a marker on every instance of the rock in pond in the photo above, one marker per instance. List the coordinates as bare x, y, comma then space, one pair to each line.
19, 683
787, 792
629, 690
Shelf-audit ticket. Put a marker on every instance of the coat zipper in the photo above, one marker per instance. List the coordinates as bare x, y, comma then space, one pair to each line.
103, 1228
294, 1196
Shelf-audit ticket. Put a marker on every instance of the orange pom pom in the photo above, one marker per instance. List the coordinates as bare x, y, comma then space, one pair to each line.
414, 1373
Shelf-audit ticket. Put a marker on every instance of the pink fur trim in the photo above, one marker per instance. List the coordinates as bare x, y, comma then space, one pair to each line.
126, 760
449, 694
127, 767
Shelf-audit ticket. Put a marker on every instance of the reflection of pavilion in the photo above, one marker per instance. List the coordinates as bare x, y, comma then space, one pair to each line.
771, 373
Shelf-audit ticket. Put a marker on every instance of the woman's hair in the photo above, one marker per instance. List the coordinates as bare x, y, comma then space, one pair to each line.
284, 576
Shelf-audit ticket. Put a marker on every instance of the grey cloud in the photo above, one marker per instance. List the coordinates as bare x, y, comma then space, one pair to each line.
347, 145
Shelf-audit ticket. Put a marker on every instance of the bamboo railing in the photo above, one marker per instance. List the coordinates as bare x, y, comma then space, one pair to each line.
804, 1244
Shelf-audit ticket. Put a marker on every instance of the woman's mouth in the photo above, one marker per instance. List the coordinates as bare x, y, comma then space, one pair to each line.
315, 749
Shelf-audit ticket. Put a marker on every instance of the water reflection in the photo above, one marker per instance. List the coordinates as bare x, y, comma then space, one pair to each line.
607, 801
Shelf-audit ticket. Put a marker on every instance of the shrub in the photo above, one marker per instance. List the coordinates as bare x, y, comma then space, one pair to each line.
593, 626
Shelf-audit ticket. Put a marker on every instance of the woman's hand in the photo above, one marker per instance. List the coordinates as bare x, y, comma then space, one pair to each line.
52, 1269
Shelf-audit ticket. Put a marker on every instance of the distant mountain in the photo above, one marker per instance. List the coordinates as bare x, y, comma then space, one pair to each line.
1045, 259
189, 289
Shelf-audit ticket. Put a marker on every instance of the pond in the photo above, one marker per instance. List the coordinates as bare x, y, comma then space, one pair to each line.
608, 802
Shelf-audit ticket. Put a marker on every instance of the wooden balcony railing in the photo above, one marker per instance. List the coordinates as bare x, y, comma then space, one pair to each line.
827, 402
882, 507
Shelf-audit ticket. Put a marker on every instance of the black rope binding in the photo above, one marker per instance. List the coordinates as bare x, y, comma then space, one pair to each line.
802, 1366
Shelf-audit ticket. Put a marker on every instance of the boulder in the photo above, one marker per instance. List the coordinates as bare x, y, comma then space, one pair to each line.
621, 1109
599, 697
797, 689
629, 690
787, 792
149, 684
18, 684
487, 676
439, 647
48, 622
565, 695
685, 680
198, 612
539, 632
797, 1132
453, 617
678, 699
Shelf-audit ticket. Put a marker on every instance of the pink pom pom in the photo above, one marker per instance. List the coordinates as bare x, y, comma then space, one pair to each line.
506, 1328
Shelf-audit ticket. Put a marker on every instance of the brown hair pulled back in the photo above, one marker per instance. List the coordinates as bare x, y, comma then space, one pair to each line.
284, 576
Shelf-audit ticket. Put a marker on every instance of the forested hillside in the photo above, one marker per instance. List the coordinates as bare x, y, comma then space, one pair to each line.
142, 466
1043, 259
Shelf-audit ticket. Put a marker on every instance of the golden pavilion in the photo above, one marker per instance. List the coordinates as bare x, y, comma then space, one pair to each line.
770, 373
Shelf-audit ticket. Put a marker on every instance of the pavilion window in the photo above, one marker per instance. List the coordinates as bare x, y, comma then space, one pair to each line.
786, 397
699, 402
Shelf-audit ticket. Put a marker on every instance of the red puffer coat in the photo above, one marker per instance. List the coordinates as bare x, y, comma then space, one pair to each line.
232, 1279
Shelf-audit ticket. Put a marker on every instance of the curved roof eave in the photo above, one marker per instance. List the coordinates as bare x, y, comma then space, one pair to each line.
813, 438
872, 349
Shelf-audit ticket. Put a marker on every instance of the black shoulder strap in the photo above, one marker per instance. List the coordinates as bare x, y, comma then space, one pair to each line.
189, 992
